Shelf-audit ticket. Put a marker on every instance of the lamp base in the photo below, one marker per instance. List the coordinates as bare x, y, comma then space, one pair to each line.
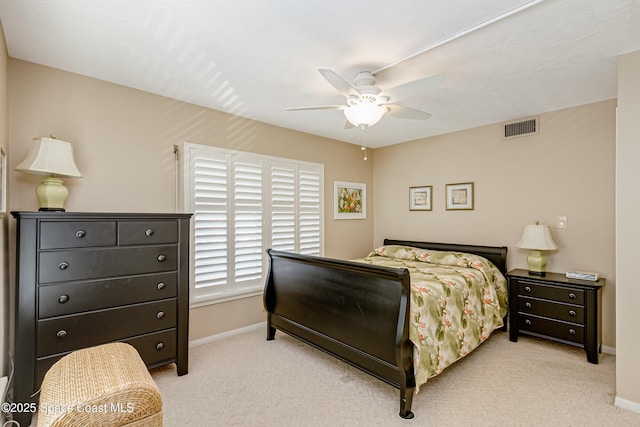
52, 193
51, 210
537, 263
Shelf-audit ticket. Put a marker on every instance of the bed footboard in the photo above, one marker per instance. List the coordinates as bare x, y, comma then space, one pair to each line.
358, 313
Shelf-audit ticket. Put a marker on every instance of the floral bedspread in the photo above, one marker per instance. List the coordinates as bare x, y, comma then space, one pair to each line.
457, 300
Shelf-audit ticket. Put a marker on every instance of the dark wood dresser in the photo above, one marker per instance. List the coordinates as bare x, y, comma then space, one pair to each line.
556, 308
85, 279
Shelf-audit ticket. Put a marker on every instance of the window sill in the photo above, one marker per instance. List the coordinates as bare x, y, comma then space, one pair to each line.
204, 300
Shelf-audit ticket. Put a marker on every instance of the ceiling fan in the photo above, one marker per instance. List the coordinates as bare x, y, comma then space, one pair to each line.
366, 103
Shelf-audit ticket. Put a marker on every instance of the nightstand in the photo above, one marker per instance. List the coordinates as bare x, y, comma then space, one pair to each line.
553, 307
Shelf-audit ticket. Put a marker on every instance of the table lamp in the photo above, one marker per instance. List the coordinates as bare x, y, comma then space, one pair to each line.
537, 238
54, 158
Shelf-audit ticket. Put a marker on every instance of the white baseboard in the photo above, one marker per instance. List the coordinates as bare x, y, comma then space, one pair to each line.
216, 337
609, 350
627, 404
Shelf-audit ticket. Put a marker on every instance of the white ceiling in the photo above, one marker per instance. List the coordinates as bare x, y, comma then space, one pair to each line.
256, 58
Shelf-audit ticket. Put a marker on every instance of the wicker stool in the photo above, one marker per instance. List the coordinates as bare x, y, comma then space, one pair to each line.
107, 385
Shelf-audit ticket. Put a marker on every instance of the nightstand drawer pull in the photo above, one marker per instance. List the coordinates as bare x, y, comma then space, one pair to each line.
572, 331
527, 321
160, 315
63, 298
527, 304
159, 346
527, 288
149, 232
161, 285
63, 265
572, 295
162, 258
61, 334
80, 234
572, 313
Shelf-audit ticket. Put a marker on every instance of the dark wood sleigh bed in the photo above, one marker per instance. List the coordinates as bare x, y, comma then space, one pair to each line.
356, 312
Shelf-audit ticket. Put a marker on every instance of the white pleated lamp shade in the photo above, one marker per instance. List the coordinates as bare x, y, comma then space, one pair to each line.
50, 156
537, 237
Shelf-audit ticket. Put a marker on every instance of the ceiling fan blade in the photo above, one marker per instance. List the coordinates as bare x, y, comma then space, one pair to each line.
341, 85
318, 107
414, 88
402, 112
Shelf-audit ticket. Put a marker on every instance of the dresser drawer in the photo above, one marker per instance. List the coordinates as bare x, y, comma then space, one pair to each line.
147, 232
74, 297
81, 264
147, 345
77, 234
61, 334
557, 293
556, 310
562, 330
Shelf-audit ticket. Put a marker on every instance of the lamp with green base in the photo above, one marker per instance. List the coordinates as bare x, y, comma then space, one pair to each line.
53, 158
537, 238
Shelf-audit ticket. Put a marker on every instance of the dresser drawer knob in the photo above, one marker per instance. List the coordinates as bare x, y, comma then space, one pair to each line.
160, 315
162, 258
572, 295
149, 232
527, 321
80, 234
527, 304
572, 331
527, 288
63, 298
572, 313
161, 285
63, 265
61, 334
159, 346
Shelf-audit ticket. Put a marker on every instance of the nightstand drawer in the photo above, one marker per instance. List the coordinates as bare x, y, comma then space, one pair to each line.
77, 234
61, 334
75, 297
556, 293
147, 232
556, 310
557, 329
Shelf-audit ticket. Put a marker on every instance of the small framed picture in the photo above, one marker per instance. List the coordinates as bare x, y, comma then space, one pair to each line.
459, 196
420, 198
349, 200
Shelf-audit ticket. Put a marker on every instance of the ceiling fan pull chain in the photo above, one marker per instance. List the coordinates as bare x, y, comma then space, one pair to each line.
364, 142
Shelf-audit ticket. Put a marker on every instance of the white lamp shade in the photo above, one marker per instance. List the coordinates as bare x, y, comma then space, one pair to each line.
50, 156
537, 237
364, 114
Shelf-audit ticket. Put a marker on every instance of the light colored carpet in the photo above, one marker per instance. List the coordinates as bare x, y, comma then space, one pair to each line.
243, 380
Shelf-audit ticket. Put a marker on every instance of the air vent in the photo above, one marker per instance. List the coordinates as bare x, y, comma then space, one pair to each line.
521, 128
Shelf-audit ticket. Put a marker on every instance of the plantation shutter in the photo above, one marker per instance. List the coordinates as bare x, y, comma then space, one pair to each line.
243, 204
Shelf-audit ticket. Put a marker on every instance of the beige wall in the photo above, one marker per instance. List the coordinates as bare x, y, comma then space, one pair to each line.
4, 220
123, 141
627, 231
567, 169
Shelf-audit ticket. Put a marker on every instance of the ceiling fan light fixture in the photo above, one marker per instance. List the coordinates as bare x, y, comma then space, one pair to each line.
364, 114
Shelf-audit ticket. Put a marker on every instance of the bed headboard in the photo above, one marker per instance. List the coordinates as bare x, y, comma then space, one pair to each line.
496, 254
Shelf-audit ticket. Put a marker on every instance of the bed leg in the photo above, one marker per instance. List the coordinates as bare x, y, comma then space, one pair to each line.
406, 398
271, 332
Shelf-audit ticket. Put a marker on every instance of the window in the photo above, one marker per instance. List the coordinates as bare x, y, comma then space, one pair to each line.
242, 204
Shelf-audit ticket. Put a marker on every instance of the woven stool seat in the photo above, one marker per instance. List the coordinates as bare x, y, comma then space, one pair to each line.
107, 385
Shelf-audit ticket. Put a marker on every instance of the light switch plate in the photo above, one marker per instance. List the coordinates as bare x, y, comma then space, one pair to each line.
561, 222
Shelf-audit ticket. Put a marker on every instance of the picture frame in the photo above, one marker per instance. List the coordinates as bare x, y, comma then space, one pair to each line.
420, 198
3, 181
459, 196
349, 200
